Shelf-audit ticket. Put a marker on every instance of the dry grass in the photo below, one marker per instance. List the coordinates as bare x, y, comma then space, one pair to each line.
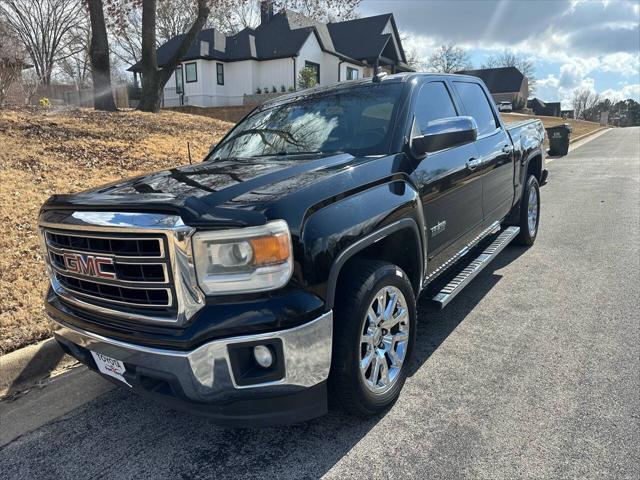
579, 127
68, 151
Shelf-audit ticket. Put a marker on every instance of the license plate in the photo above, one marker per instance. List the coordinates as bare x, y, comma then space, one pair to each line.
110, 366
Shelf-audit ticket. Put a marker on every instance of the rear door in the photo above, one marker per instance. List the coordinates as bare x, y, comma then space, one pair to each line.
495, 150
451, 192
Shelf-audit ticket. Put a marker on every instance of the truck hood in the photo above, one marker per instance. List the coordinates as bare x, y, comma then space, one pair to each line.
230, 192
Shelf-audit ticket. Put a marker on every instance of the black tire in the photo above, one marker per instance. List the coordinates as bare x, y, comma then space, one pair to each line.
527, 236
357, 289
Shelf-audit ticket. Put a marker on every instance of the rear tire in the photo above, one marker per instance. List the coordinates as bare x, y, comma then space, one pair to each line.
373, 337
529, 213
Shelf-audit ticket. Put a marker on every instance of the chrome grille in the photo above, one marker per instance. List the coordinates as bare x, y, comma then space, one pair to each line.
135, 270
130, 265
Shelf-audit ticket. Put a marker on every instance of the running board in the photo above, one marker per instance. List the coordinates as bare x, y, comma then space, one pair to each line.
461, 280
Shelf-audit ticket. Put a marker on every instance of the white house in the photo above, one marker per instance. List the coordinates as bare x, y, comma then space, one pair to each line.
220, 70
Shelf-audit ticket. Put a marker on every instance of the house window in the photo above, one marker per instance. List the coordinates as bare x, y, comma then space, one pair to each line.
191, 72
315, 67
179, 80
352, 73
220, 73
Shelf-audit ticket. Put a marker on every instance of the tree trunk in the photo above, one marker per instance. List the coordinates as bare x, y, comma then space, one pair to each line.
154, 79
99, 54
151, 93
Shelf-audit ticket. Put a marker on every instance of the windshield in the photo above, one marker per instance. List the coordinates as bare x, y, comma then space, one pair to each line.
358, 121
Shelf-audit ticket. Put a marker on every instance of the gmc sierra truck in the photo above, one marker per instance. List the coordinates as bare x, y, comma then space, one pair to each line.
283, 270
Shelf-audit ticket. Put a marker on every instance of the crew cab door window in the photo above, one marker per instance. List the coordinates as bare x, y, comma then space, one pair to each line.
477, 106
433, 103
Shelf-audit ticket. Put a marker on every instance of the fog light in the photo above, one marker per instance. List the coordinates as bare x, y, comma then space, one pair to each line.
263, 356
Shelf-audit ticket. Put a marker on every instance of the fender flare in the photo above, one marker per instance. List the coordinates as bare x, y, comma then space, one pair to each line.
365, 242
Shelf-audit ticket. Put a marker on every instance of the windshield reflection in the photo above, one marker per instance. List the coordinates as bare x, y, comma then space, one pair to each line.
356, 121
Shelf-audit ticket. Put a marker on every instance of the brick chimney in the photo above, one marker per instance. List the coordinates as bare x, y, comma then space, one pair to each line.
266, 11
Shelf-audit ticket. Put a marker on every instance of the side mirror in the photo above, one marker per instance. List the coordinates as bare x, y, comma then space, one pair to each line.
445, 133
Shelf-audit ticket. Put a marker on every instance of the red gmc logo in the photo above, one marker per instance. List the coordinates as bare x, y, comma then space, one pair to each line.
88, 265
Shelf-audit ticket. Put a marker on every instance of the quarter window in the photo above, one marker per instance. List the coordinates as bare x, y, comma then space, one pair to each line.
433, 103
477, 105
191, 72
220, 73
352, 73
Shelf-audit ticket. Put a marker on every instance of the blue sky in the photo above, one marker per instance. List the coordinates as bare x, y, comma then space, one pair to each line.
591, 44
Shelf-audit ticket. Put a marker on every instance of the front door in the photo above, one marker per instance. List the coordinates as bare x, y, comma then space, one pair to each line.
451, 192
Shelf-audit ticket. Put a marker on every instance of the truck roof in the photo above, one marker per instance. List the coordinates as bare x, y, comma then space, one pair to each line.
345, 85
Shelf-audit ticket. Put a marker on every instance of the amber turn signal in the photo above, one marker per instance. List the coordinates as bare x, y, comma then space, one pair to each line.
270, 250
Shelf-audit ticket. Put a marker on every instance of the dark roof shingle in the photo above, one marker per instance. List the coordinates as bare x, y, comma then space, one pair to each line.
498, 80
283, 36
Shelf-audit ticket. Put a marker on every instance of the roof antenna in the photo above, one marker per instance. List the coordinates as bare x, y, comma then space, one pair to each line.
189, 151
379, 75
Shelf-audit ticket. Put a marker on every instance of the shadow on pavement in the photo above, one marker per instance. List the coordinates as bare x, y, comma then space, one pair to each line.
122, 434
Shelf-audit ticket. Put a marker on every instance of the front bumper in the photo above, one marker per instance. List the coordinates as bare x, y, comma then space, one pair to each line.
208, 379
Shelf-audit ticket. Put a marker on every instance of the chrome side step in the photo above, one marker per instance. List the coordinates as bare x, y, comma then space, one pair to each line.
461, 280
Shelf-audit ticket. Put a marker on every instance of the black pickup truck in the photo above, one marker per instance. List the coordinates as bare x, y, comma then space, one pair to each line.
283, 270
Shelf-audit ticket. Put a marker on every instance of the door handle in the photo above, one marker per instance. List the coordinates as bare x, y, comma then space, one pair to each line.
473, 163
507, 149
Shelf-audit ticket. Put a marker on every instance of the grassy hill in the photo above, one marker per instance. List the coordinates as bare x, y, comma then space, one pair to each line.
67, 151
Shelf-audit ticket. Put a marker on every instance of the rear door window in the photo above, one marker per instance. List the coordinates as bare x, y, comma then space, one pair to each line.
477, 105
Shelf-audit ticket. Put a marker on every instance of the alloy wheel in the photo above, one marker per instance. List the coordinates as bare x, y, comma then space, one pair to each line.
532, 212
384, 340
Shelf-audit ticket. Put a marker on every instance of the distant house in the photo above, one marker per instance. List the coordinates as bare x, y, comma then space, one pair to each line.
220, 70
567, 114
506, 84
549, 109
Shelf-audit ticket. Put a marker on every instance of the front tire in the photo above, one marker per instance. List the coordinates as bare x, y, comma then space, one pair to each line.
374, 334
529, 213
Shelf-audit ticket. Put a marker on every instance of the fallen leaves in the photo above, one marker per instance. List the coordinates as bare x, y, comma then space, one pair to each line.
69, 151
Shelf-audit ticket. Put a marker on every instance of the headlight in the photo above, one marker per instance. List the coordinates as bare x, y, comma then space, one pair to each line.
244, 260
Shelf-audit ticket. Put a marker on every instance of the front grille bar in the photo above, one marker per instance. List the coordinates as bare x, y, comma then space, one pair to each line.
148, 254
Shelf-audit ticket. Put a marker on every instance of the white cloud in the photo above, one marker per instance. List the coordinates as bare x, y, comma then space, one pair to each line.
622, 63
627, 91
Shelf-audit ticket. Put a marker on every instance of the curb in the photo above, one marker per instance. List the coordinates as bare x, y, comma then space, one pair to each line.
585, 135
22, 368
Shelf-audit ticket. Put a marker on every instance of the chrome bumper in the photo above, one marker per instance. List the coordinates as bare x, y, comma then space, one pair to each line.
205, 374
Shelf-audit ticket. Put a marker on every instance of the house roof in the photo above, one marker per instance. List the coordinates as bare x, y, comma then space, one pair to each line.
499, 80
284, 35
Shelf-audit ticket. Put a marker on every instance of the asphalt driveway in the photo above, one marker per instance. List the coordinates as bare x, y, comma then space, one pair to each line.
533, 371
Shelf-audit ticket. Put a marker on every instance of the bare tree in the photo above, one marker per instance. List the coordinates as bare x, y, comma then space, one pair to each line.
100, 62
322, 10
153, 77
583, 101
47, 28
449, 59
412, 55
77, 66
29, 84
510, 59
12, 57
127, 36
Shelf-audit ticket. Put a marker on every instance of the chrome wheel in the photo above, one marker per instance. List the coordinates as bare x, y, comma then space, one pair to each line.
532, 211
384, 340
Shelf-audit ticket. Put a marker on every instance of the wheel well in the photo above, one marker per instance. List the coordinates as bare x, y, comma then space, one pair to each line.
535, 167
401, 248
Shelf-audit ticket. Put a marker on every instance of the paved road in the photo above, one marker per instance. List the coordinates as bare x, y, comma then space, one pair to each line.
533, 372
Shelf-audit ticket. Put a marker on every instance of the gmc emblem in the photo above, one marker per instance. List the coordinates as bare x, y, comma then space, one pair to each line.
88, 265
